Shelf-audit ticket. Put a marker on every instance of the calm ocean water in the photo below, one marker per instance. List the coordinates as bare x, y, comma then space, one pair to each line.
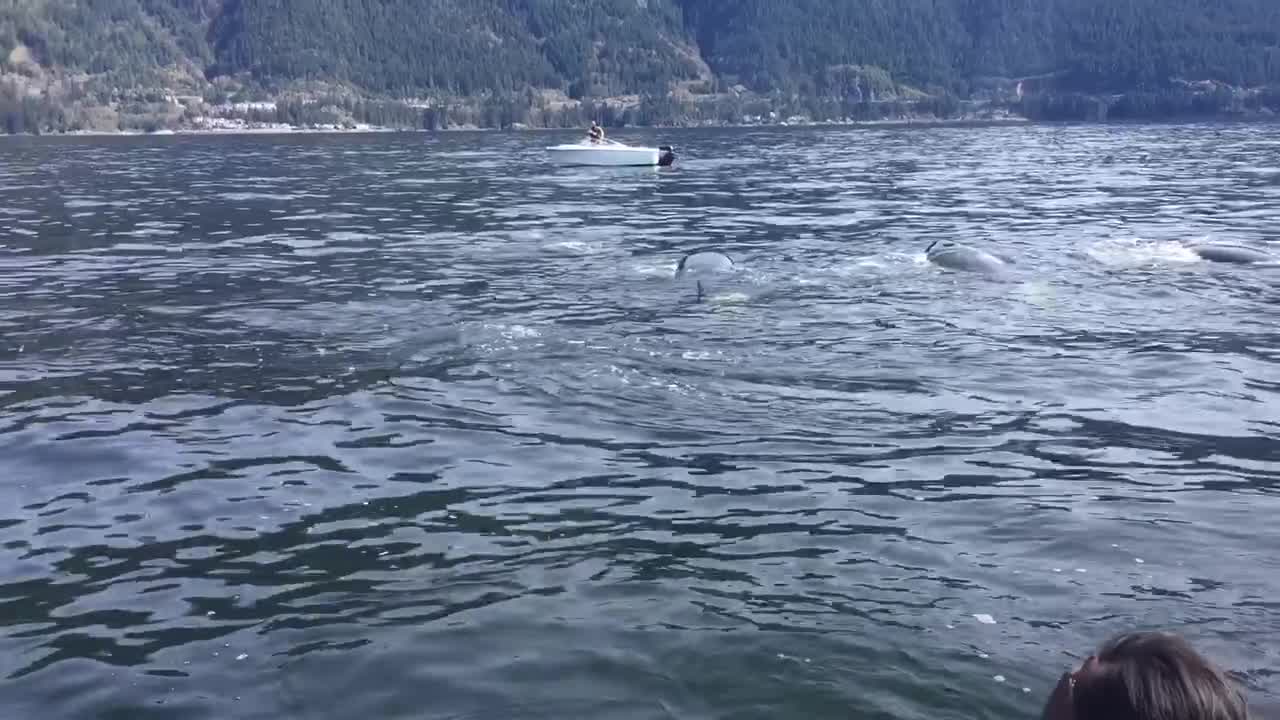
415, 426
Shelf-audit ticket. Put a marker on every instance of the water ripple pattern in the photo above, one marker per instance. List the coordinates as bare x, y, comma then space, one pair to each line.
417, 426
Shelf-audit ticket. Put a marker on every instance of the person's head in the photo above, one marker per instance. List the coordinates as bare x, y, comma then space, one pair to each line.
1146, 676
593, 124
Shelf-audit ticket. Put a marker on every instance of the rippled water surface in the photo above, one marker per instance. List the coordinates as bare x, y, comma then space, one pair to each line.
417, 426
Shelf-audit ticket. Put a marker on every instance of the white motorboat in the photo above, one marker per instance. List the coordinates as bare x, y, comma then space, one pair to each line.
609, 153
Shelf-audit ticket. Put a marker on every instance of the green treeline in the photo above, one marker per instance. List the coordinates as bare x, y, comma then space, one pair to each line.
1088, 45
607, 47
701, 59
407, 48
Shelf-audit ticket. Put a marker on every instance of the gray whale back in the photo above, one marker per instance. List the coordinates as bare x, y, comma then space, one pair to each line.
701, 264
1238, 254
957, 256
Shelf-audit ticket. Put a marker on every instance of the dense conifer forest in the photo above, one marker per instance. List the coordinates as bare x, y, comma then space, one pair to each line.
145, 64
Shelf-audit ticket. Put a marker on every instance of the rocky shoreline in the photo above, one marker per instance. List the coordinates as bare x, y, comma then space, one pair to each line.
279, 129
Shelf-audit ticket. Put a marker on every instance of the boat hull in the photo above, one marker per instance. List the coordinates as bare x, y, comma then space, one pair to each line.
604, 156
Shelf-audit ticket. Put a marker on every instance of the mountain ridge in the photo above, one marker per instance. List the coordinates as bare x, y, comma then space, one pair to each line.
723, 57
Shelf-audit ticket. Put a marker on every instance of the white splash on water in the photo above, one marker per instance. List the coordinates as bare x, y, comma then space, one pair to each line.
1140, 252
655, 269
730, 298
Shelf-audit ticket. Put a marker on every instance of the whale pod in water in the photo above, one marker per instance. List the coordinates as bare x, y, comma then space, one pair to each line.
1232, 254
701, 265
957, 256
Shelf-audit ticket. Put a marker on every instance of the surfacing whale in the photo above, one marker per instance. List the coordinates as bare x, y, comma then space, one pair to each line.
957, 256
1238, 254
701, 265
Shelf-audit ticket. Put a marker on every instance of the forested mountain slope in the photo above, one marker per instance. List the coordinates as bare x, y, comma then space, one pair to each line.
107, 50
1092, 44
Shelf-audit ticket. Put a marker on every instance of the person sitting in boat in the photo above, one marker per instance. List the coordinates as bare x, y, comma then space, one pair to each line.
596, 133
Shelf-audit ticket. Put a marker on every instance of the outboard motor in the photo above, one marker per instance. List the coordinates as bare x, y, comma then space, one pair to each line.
666, 156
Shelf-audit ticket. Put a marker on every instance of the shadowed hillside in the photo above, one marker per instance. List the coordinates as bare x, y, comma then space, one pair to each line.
73, 63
